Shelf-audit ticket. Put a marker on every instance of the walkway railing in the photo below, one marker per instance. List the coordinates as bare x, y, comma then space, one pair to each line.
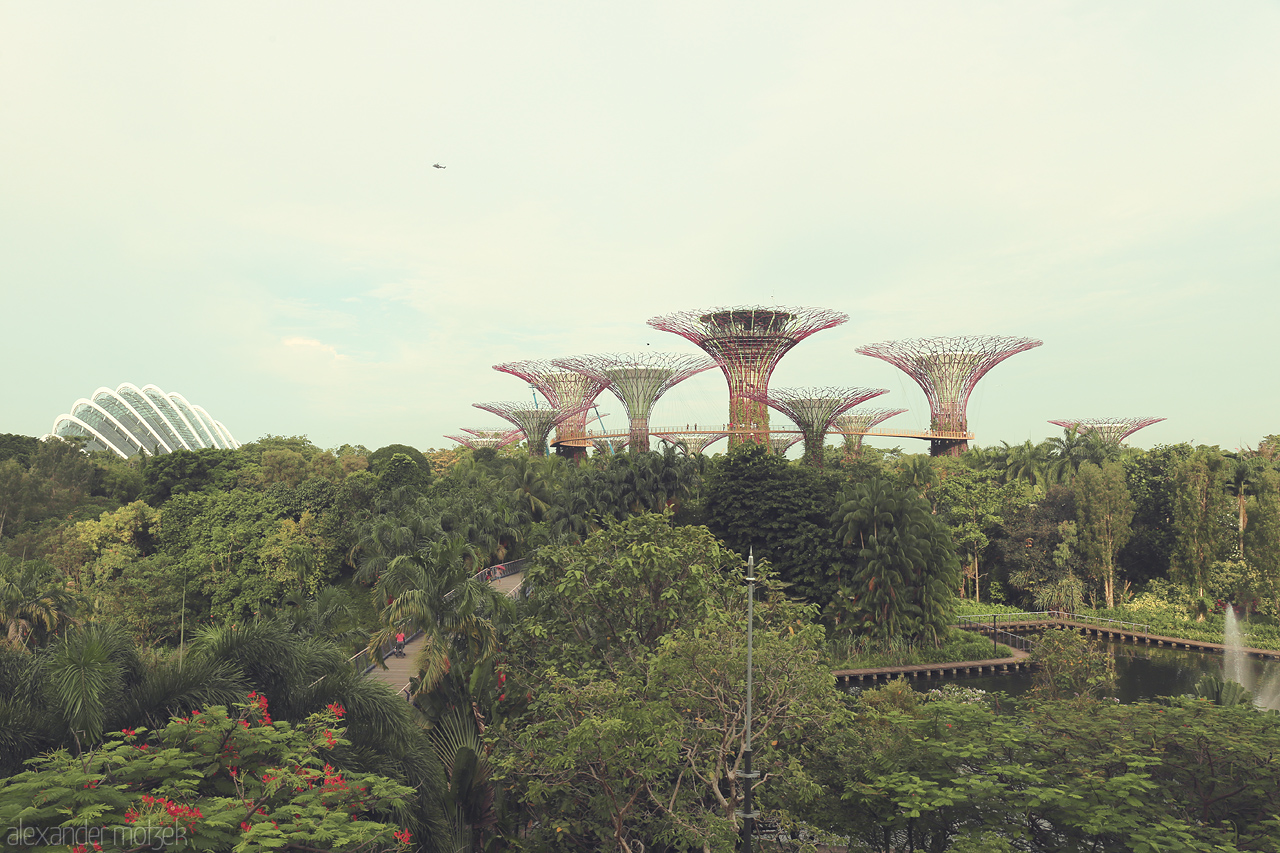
988, 621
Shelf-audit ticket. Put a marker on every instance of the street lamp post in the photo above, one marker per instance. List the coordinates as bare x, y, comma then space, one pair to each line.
748, 814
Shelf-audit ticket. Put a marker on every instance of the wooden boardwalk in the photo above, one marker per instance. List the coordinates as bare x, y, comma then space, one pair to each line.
1021, 659
1123, 635
995, 666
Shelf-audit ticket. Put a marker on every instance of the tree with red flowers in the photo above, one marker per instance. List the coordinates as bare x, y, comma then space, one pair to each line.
217, 780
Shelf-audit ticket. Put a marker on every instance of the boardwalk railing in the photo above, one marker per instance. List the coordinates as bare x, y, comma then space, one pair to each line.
989, 621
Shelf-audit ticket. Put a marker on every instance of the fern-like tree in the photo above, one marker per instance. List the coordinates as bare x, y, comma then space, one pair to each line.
905, 566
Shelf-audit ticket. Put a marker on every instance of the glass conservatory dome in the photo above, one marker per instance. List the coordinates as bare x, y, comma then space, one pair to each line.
132, 419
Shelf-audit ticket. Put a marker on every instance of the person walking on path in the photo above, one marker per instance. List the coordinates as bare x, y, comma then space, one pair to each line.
400, 644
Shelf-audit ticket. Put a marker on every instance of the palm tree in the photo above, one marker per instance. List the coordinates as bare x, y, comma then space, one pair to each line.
1242, 481
917, 472
432, 590
34, 602
1067, 454
1029, 462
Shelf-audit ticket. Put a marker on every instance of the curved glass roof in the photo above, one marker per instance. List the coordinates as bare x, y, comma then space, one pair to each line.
132, 419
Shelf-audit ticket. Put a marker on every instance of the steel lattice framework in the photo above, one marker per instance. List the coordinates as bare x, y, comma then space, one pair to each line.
814, 411
1110, 430
494, 438
564, 388
535, 422
638, 381
783, 442
947, 369
747, 343
691, 442
855, 424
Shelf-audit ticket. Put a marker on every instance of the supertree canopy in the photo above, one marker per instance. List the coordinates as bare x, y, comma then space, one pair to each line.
947, 369
563, 388
638, 381
855, 424
1110, 430
782, 442
691, 442
814, 410
747, 343
494, 438
536, 422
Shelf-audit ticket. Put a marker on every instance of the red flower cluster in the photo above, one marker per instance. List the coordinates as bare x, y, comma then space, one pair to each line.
261, 701
402, 836
337, 710
177, 812
81, 848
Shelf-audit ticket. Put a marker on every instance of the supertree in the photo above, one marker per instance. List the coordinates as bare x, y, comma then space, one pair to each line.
747, 343
1110, 430
638, 381
854, 425
781, 442
947, 369
563, 388
536, 422
814, 410
494, 438
691, 442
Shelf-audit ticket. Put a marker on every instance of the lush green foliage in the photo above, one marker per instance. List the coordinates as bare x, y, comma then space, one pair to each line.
1048, 776
905, 571
214, 780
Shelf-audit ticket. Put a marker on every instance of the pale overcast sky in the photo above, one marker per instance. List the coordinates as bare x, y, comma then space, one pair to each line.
237, 202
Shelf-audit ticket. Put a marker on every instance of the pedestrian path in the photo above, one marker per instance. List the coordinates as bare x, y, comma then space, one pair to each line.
505, 578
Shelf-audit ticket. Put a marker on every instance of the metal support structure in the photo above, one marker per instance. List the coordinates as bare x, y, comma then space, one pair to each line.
947, 369
1110, 430
747, 343
815, 410
638, 381
691, 443
854, 425
536, 423
565, 389
495, 438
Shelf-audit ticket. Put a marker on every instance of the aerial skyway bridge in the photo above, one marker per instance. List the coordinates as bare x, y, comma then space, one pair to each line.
755, 430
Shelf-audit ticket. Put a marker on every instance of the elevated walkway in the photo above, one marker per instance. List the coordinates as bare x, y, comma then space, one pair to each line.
587, 438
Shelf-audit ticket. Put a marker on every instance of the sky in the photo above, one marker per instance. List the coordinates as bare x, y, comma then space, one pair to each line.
238, 202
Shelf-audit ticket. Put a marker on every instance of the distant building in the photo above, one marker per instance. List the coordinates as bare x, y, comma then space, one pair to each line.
132, 419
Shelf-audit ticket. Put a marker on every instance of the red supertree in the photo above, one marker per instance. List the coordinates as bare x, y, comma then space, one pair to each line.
1110, 430
638, 381
747, 343
815, 410
536, 422
947, 369
854, 425
691, 442
563, 388
494, 438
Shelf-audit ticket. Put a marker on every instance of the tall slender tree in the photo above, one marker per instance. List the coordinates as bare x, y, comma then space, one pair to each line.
1104, 512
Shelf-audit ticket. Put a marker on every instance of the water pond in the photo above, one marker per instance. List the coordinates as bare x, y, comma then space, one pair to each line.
1143, 673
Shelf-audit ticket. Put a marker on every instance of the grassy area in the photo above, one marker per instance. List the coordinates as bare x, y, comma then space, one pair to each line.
864, 654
